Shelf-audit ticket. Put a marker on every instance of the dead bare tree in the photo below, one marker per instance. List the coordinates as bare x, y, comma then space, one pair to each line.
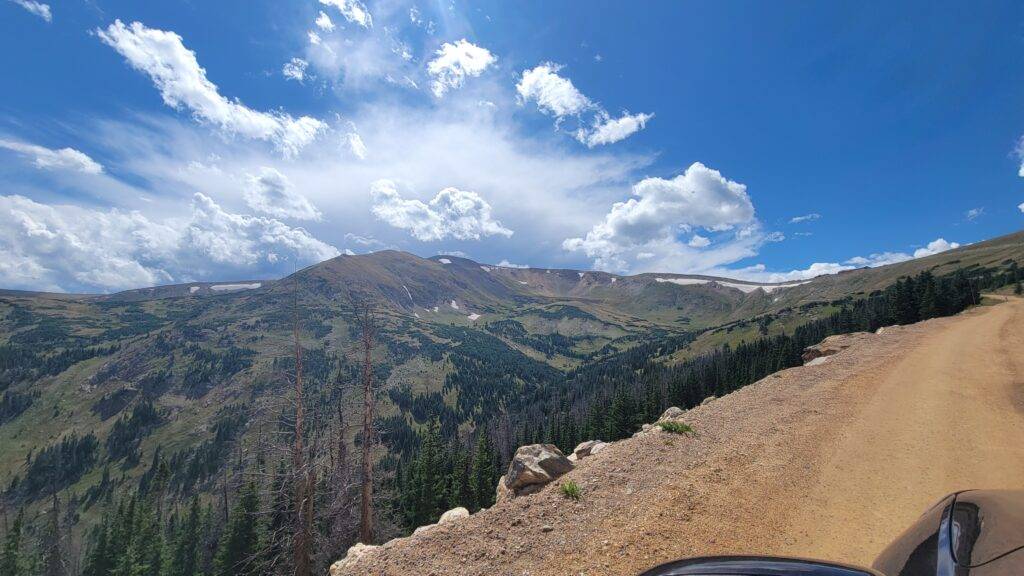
368, 330
304, 477
338, 515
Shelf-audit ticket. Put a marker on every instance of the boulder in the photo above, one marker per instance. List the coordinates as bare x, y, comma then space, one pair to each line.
588, 448
709, 400
534, 466
502, 493
672, 413
351, 557
454, 515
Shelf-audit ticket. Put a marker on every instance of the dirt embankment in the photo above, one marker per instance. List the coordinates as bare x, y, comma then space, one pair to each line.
828, 461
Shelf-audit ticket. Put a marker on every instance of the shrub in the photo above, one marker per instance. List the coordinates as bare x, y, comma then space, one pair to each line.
571, 489
676, 427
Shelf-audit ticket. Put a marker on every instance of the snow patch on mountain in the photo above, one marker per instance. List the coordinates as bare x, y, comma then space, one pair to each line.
230, 287
746, 288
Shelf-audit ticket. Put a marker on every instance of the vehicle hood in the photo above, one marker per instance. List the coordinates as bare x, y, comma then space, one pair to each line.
986, 524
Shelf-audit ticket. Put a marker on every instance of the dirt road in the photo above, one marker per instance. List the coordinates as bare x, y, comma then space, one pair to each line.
945, 417
828, 461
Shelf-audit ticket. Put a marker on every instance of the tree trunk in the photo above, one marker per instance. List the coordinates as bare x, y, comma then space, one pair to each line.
366, 504
303, 506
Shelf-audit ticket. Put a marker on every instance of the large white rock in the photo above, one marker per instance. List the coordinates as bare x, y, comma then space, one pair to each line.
502, 493
673, 412
453, 515
535, 465
588, 448
351, 557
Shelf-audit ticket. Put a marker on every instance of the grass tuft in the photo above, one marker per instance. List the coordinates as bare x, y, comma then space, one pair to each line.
674, 427
571, 489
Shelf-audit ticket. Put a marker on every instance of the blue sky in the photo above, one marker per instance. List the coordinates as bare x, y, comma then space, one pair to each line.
150, 143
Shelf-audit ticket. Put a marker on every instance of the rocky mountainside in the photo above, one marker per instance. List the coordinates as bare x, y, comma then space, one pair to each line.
97, 390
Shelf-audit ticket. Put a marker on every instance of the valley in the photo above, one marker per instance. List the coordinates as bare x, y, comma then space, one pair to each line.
191, 386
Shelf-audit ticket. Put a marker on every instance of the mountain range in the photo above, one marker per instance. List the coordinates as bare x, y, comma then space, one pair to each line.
192, 371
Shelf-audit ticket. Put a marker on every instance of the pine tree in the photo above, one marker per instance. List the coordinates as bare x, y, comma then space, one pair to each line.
98, 562
458, 481
184, 550
482, 473
1017, 289
138, 547
237, 554
11, 562
427, 479
53, 553
928, 307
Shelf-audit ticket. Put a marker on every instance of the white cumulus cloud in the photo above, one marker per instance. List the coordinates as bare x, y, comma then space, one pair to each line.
1020, 207
557, 96
70, 248
758, 272
37, 8
699, 198
355, 145
295, 69
270, 192
609, 130
324, 22
50, 159
553, 94
699, 241
453, 63
451, 213
935, 247
238, 239
646, 232
353, 10
183, 84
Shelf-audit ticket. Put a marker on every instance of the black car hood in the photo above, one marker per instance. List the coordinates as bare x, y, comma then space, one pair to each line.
986, 524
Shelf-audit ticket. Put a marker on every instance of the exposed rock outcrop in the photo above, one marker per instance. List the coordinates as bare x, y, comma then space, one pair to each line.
708, 400
832, 345
534, 466
354, 554
449, 517
588, 448
453, 515
673, 413
502, 493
